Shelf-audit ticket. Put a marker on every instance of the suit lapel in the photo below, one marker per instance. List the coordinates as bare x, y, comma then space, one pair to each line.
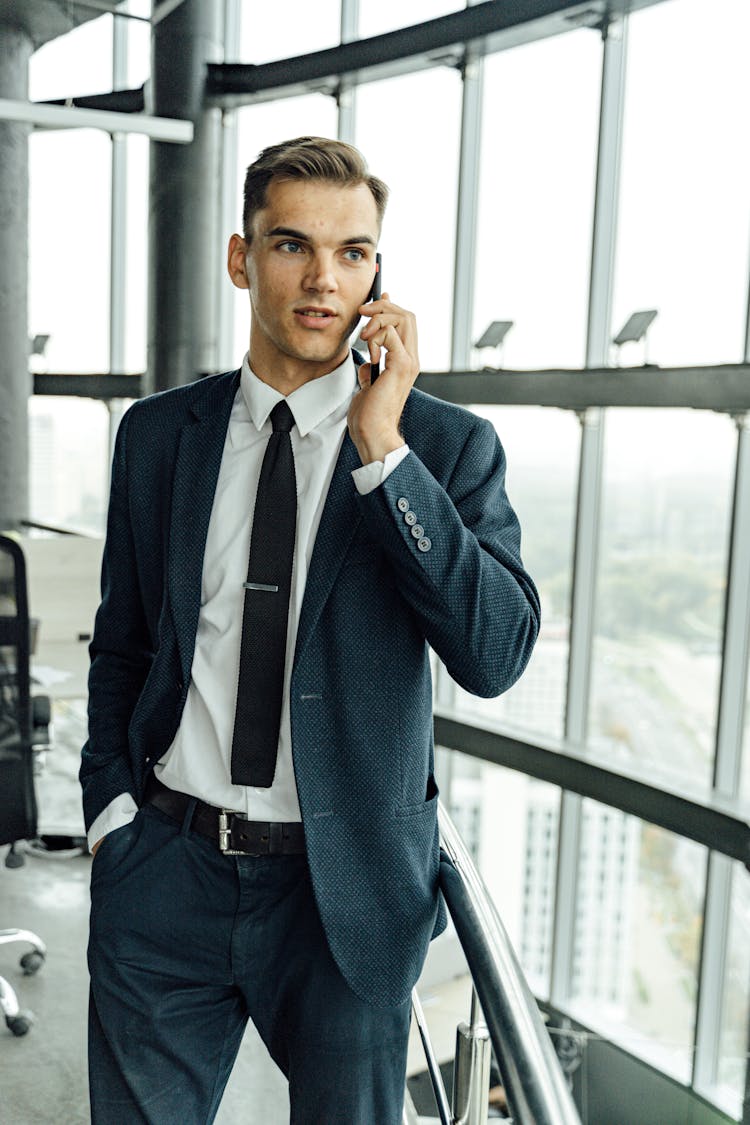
337, 526
194, 483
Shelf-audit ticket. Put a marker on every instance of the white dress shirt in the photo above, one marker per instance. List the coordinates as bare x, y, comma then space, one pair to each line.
199, 760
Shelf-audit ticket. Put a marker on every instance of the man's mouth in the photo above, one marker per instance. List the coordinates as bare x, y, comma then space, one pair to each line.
313, 317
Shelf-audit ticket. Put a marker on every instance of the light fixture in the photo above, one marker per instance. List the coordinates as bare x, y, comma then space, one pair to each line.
39, 344
494, 336
635, 329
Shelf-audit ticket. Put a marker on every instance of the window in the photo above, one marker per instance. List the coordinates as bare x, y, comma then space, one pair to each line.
70, 176
74, 64
379, 16
420, 167
512, 814
272, 31
536, 196
684, 225
638, 934
69, 477
732, 1053
542, 448
660, 589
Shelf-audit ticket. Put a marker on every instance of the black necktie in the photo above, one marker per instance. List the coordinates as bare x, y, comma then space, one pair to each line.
264, 621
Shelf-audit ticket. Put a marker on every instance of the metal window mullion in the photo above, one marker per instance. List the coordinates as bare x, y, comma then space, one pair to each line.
466, 216
736, 641
712, 973
118, 211
346, 97
589, 496
118, 306
229, 210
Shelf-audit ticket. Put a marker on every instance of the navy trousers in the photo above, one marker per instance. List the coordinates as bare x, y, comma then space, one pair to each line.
186, 944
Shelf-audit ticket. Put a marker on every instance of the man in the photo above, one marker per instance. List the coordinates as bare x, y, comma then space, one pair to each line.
260, 761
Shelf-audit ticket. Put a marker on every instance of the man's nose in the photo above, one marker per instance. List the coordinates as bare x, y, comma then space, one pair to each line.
321, 276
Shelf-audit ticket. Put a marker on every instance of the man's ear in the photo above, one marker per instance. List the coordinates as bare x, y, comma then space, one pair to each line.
236, 264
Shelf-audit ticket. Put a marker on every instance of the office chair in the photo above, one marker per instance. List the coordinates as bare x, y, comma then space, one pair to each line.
18, 810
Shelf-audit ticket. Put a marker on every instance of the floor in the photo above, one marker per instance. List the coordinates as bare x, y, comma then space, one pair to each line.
43, 1074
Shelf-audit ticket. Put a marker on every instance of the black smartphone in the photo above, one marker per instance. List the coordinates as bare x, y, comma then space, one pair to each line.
374, 295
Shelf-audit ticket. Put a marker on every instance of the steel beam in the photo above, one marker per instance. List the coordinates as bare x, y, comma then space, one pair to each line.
46, 116
485, 28
725, 388
715, 823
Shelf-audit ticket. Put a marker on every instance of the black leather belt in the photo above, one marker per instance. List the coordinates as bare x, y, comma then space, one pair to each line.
227, 829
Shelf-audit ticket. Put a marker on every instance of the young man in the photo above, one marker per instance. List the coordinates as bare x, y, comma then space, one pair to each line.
284, 542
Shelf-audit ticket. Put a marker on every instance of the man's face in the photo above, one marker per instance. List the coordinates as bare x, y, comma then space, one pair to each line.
309, 267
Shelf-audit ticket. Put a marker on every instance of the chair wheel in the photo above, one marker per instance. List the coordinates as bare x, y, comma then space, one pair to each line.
31, 963
21, 1023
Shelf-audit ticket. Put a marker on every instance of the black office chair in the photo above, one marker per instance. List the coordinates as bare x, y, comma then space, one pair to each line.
18, 810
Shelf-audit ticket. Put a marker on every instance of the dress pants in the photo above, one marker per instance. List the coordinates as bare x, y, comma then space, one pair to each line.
186, 944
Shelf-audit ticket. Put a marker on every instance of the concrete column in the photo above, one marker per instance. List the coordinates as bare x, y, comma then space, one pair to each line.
186, 250
15, 382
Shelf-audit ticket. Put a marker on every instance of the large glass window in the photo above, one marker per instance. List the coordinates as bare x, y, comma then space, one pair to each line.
542, 448
69, 462
139, 43
70, 174
536, 196
684, 225
420, 167
638, 931
509, 824
733, 1035
660, 591
74, 64
272, 31
379, 16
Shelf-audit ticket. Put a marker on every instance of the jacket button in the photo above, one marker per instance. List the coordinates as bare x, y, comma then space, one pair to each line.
417, 531
424, 544
410, 518
402, 504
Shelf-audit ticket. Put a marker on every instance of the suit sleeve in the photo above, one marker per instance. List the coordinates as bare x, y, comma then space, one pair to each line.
462, 576
121, 651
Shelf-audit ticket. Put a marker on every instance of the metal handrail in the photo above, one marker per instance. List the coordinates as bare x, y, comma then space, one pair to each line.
535, 1086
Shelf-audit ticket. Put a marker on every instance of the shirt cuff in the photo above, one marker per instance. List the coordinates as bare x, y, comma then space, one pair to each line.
368, 477
117, 814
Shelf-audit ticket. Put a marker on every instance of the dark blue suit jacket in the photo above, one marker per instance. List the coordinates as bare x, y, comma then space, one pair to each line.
361, 697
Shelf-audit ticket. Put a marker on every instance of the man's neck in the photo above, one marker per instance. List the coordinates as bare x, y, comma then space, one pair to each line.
286, 374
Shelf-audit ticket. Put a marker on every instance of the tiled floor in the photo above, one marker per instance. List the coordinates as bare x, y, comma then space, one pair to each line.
43, 1075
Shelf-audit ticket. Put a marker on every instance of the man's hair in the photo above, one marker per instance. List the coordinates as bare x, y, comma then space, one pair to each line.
307, 158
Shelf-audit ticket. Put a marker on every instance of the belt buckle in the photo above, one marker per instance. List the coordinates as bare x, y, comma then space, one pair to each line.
225, 833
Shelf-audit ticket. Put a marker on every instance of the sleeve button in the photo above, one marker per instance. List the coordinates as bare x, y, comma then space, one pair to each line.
403, 504
417, 531
424, 544
410, 518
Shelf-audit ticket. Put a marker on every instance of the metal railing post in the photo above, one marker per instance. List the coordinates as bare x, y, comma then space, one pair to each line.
471, 1070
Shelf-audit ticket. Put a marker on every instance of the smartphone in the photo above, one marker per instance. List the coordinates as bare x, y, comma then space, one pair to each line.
375, 292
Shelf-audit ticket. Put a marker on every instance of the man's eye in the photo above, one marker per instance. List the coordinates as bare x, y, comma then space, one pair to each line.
354, 255
291, 247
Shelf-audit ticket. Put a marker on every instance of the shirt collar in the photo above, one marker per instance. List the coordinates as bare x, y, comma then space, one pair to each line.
310, 404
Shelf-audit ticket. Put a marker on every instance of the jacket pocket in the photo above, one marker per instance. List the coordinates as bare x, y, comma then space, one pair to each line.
428, 804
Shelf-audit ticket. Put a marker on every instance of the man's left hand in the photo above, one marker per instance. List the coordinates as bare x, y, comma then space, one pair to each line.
376, 411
